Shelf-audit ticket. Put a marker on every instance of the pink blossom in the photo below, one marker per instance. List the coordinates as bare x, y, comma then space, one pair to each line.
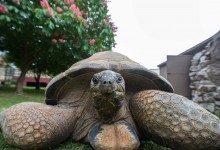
54, 40
72, 1
66, 1
44, 3
114, 28
50, 12
61, 40
92, 41
76, 11
104, 4
3, 9
106, 22
79, 16
73, 7
85, 14
59, 10
85, 21
17, 2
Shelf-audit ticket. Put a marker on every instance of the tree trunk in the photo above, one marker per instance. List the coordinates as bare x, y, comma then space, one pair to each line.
20, 81
37, 84
37, 80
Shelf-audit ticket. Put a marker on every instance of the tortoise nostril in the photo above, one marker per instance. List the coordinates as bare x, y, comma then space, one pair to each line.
107, 82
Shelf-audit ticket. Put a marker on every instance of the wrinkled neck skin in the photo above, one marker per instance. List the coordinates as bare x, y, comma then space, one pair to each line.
108, 105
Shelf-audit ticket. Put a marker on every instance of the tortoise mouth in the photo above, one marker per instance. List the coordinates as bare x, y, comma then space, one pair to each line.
107, 104
108, 93
107, 90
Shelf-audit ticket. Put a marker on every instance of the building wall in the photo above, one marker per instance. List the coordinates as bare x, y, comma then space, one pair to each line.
176, 71
177, 74
163, 71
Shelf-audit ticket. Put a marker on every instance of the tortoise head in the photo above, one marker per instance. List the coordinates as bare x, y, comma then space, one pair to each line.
108, 93
107, 82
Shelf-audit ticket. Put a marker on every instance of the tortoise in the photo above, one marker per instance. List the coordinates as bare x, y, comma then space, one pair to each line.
110, 102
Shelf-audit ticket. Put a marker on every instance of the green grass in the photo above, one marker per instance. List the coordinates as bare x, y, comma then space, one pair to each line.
8, 97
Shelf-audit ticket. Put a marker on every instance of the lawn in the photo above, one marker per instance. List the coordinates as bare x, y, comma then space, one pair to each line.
9, 98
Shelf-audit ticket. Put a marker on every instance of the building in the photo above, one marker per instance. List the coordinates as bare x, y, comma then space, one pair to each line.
195, 73
155, 70
6, 72
30, 80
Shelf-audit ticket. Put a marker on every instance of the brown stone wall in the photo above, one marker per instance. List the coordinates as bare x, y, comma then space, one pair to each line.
205, 76
215, 59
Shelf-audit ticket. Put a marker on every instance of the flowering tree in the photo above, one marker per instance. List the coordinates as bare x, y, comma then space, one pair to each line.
63, 30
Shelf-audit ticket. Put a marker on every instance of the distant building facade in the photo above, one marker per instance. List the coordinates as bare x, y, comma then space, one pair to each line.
6, 72
30, 80
155, 70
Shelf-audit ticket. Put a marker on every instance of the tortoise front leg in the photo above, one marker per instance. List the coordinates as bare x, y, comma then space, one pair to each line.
173, 120
116, 136
35, 126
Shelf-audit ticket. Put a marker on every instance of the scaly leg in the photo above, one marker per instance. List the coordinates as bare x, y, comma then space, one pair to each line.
34, 125
173, 120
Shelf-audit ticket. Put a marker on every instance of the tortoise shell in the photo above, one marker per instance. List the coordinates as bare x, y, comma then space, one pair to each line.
73, 85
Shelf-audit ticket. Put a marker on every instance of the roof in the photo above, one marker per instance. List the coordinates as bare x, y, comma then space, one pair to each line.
195, 49
162, 64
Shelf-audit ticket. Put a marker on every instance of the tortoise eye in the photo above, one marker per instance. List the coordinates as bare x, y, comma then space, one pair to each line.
120, 79
95, 80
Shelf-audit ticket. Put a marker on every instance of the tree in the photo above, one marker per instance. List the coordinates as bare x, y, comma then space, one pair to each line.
63, 30
47, 64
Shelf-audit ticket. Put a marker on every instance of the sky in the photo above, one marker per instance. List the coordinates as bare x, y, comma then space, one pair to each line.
149, 30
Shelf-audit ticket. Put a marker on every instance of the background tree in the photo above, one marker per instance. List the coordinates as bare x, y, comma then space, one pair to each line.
63, 30
51, 65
